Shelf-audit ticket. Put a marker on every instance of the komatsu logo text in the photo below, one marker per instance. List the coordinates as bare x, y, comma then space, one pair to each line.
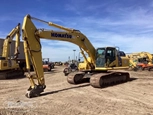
61, 35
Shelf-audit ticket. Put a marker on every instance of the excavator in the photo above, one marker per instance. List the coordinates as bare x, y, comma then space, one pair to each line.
101, 70
148, 57
140, 61
9, 67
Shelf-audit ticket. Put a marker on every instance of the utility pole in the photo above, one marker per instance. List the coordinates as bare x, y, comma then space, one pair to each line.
74, 54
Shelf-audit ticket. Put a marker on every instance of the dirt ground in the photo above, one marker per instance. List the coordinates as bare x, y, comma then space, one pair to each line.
61, 98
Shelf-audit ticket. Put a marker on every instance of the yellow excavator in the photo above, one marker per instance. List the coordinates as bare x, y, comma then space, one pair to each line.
9, 67
140, 60
148, 57
102, 60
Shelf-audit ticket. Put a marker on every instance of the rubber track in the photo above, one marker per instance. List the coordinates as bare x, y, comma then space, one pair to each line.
103, 79
11, 74
99, 80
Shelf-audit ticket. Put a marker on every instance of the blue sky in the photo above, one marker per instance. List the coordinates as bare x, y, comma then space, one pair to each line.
127, 24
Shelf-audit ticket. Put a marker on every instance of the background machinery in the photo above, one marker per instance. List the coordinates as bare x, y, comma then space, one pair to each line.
47, 65
102, 59
71, 66
9, 67
141, 61
58, 63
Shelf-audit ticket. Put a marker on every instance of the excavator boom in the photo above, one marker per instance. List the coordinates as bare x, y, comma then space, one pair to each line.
32, 47
6, 45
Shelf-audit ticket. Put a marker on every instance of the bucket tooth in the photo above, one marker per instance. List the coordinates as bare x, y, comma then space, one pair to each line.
35, 92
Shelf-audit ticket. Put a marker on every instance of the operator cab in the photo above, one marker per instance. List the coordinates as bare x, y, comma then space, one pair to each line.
107, 55
121, 53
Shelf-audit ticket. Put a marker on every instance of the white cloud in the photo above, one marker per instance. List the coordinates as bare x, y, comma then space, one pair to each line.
126, 43
132, 33
60, 53
75, 6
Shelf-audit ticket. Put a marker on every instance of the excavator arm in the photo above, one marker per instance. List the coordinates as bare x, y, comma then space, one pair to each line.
6, 45
32, 48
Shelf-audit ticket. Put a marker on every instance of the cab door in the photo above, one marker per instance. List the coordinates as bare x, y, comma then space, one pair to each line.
111, 57
100, 57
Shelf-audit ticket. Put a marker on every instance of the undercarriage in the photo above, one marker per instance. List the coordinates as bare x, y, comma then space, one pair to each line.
98, 79
10, 74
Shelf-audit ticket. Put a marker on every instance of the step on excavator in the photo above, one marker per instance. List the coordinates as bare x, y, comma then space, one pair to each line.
100, 70
9, 67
